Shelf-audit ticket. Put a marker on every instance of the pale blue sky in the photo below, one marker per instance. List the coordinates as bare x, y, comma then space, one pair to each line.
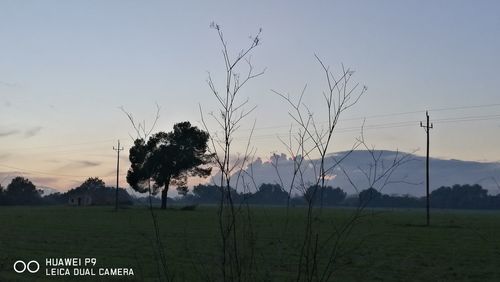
66, 66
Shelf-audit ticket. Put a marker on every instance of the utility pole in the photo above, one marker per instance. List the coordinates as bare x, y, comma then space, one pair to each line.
117, 149
427, 127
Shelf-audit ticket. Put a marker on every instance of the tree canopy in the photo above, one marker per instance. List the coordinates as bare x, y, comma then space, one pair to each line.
97, 190
169, 159
460, 196
93, 182
324, 195
21, 191
269, 194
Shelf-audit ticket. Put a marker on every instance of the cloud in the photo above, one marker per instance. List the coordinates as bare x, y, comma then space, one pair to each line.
5, 156
32, 131
8, 133
43, 180
89, 163
81, 164
54, 182
110, 173
7, 176
8, 84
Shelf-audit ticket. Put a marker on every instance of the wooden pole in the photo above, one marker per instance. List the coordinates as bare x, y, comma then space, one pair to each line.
117, 149
427, 128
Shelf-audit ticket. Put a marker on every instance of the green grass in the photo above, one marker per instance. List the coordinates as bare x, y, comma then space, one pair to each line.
385, 246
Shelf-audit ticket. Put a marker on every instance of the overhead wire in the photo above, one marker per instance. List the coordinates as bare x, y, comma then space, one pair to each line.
387, 115
274, 135
391, 125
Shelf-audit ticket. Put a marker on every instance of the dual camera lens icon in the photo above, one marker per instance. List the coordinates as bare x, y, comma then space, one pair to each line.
32, 266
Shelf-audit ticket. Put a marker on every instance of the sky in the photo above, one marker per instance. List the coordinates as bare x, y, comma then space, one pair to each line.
66, 68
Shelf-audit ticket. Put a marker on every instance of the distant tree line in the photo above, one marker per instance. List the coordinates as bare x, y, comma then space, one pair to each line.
454, 197
21, 191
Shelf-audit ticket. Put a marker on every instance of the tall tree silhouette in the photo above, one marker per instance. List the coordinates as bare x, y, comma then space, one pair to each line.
93, 183
169, 159
2, 197
21, 191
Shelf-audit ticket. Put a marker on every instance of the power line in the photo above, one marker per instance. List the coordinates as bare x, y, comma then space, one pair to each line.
469, 118
430, 110
465, 107
31, 171
340, 130
409, 123
390, 125
388, 115
60, 145
40, 172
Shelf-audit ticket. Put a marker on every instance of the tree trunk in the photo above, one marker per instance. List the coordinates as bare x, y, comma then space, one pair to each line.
164, 195
164, 198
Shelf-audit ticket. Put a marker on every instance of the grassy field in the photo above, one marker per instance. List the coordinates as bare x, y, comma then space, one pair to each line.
387, 245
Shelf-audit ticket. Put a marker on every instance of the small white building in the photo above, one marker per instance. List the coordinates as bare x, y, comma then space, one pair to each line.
80, 200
